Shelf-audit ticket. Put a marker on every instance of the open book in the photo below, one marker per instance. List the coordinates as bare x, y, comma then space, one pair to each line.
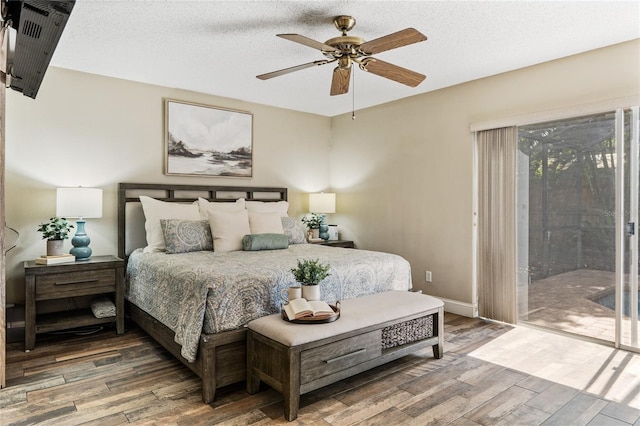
302, 308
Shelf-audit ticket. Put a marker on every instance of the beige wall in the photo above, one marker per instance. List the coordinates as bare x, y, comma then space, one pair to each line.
404, 171
96, 131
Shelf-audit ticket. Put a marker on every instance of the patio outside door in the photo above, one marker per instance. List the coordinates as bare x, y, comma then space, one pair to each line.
577, 225
627, 228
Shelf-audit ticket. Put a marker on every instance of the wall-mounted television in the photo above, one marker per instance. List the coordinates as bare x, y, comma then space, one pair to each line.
38, 26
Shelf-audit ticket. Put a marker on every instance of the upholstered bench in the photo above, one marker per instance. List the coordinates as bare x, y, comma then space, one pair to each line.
297, 358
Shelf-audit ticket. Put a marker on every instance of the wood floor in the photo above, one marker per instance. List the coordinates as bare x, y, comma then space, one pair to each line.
488, 376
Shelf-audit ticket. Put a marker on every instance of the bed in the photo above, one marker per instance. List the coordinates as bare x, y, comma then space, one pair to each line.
196, 304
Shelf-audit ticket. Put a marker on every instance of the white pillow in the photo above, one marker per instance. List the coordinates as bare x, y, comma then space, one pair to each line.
206, 206
281, 207
228, 229
265, 223
154, 210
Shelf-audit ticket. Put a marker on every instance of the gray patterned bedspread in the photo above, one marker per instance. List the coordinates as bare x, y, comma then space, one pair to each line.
212, 292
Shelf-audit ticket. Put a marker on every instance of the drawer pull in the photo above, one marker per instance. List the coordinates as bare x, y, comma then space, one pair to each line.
341, 357
76, 282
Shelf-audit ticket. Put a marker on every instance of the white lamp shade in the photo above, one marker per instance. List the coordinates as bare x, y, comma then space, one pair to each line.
79, 202
324, 202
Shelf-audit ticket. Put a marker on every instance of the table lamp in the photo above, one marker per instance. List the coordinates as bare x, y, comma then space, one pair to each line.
324, 202
80, 203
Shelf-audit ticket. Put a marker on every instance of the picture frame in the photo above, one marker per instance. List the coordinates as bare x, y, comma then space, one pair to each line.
203, 140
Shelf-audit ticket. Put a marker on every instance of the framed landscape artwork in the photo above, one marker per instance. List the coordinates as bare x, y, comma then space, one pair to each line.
202, 140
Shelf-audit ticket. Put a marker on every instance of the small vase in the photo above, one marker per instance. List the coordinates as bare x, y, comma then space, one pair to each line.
311, 292
323, 231
55, 247
315, 233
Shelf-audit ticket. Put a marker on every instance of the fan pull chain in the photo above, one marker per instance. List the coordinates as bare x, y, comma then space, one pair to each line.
353, 94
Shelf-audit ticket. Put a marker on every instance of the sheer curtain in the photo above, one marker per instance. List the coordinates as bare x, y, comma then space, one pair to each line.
496, 263
3, 292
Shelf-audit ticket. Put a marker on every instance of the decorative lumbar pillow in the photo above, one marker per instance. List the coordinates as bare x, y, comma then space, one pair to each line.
265, 223
255, 242
294, 230
228, 228
206, 206
154, 210
280, 207
183, 236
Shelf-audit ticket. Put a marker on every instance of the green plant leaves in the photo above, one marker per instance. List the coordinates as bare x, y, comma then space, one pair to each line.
310, 271
56, 229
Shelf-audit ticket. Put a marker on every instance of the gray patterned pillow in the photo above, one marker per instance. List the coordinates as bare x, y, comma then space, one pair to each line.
183, 236
295, 231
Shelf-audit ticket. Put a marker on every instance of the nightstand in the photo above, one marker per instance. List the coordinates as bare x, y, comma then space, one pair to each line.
336, 243
98, 275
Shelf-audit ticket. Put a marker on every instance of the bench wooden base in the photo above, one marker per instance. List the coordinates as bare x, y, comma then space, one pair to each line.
297, 369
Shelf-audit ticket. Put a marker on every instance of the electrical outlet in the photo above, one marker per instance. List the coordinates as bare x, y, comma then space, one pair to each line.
428, 277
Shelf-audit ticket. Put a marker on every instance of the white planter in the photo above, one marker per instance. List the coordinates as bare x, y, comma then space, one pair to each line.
311, 292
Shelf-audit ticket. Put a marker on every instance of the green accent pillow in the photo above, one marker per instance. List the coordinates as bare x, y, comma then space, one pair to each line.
253, 242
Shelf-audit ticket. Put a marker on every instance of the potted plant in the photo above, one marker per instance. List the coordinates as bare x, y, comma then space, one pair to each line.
309, 273
313, 221
55, 232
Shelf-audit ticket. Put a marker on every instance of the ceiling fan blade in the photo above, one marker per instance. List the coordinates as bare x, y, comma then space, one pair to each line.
291, 69
340, 81
392, 41
307, 42
394, 72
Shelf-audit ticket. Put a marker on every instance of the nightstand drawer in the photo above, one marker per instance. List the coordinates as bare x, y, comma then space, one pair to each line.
71, 284
340, 355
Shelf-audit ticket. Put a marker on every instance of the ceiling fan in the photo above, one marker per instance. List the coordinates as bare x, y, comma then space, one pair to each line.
348, 49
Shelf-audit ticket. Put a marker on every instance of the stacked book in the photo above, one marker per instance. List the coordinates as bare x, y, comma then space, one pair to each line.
54, 260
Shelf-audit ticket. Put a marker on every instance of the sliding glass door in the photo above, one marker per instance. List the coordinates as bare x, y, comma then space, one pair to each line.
628, 195
577, 201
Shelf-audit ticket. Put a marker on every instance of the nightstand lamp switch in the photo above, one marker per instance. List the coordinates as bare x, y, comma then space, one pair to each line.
324, 202
80, 203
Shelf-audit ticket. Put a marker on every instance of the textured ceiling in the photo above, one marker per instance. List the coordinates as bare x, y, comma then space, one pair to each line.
218, 47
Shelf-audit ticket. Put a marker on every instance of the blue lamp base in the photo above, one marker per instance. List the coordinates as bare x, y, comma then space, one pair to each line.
324, 229
80, 243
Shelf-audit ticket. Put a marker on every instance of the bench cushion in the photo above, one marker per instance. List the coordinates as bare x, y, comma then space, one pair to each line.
355, 314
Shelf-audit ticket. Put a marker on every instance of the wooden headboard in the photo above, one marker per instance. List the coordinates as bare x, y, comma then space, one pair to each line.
131, 233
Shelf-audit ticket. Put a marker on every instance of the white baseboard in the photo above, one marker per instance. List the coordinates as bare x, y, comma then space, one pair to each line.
460, 308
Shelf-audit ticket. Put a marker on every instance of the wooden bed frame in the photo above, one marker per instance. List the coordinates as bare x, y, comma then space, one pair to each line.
221, 356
